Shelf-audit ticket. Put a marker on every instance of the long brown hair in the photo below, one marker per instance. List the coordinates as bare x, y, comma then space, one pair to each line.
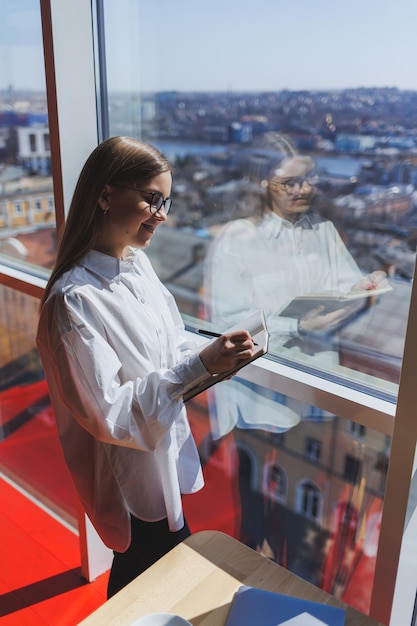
114, 161
282, 149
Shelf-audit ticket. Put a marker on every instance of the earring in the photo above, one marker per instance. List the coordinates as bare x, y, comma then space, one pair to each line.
105, 210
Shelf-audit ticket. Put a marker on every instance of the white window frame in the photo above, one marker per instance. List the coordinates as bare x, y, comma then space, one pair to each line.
354, 430
313, 449
33, 142
300, 497
73, 134
46, 143
18, 207
277, 497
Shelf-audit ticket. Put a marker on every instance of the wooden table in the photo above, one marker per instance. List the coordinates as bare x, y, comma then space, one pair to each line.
197, 580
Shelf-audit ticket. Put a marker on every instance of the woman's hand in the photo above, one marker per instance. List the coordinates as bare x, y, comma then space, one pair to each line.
371, 281
316, 321
227, 352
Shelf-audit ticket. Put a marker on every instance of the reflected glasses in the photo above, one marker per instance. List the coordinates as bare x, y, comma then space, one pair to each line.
291, 185
157, 199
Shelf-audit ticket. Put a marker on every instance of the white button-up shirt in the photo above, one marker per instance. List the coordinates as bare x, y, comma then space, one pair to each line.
265, 264
117, 361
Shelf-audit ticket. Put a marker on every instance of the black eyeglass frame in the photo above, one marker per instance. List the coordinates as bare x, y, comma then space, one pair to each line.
153, 207
290, 184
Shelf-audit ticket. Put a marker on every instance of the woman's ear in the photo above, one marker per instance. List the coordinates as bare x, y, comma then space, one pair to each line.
103, 199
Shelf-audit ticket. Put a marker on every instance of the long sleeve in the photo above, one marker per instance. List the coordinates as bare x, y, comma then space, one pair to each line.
120, 371
252, 266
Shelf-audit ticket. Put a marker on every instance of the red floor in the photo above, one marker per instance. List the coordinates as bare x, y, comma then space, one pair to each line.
40, 581
30, 453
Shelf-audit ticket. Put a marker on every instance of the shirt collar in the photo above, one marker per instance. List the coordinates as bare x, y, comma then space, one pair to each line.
273, 223
107, 266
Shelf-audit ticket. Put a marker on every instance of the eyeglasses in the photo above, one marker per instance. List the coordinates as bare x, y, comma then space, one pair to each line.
291, 185
157, 199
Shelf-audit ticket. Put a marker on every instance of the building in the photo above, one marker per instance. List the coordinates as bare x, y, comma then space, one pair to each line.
28, 203
34, 151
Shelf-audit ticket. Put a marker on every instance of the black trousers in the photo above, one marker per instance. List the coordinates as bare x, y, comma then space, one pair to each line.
150, 541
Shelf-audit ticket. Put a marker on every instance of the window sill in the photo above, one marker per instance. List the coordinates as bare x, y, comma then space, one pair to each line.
22, 281
340, 399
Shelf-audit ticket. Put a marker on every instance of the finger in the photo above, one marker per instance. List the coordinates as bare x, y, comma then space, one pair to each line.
378, 275
243, 341
244, 348
313, 312
376, 278
239, 335
335, 316
380, 281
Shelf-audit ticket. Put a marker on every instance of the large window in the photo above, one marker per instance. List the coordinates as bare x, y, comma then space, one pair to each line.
271, 111
233, 101
30, 455
226, 119
27, 218
29, 451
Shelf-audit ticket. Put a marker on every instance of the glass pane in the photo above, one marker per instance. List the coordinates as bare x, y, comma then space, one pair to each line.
316, 514
27, 216
30, 453
227, 115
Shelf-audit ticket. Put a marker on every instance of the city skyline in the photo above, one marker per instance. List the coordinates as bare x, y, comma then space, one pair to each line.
223, 47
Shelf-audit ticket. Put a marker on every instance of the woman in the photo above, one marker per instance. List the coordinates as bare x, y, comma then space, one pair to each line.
264, 263
117, 360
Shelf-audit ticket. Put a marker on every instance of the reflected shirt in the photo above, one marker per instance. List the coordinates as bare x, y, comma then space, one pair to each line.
117, 361
264, 265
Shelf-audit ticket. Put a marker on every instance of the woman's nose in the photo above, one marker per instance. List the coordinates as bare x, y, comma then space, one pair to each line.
161, 215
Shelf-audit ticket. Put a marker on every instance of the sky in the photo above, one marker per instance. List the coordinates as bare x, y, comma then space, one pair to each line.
21, 54
263, 45
232, 45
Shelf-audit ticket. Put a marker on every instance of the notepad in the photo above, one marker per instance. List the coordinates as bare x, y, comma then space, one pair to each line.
256, 326
330, 300
252, 606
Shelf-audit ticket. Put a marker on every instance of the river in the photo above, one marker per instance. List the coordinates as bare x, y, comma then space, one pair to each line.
345, 166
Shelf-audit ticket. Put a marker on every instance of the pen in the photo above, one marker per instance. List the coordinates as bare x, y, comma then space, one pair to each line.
210, 333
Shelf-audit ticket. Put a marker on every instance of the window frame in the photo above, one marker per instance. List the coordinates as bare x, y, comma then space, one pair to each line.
307, 492
273, 494
313, 449
357, 431
33, 144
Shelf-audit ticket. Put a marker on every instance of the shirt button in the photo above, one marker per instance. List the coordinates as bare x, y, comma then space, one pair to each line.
142, 300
